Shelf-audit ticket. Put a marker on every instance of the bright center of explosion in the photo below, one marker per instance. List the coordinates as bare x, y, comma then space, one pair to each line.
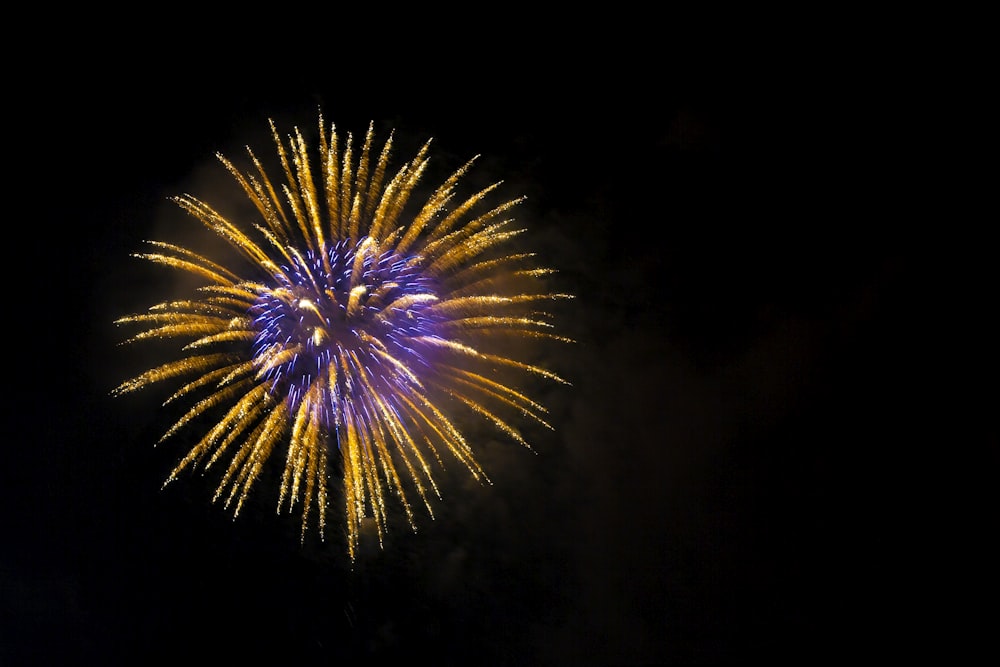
326, 314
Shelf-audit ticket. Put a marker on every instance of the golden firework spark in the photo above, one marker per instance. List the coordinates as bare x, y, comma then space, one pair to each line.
355, 324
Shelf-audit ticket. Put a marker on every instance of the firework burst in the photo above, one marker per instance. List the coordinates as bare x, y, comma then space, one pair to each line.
350, 327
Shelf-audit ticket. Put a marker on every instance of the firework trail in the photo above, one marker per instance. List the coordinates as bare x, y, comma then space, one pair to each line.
356, 325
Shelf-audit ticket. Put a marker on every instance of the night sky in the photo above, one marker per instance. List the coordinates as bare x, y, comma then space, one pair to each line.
732, 470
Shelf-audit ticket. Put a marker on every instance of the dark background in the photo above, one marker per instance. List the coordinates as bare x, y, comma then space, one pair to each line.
753, 461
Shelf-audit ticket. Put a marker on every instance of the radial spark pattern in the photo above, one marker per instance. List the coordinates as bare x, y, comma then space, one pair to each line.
349, 331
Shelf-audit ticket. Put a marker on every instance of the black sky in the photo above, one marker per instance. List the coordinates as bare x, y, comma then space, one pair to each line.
732, 471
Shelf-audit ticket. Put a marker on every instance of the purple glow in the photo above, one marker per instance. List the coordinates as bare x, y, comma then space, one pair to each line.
307, 310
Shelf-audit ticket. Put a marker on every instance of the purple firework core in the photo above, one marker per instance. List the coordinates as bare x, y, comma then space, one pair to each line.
341, 307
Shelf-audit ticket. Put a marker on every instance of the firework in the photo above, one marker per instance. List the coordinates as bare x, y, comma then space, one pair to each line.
348, 330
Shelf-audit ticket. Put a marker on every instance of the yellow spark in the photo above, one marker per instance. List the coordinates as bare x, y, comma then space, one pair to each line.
291, 346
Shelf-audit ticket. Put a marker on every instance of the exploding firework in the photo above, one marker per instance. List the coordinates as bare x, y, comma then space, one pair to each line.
348, 329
